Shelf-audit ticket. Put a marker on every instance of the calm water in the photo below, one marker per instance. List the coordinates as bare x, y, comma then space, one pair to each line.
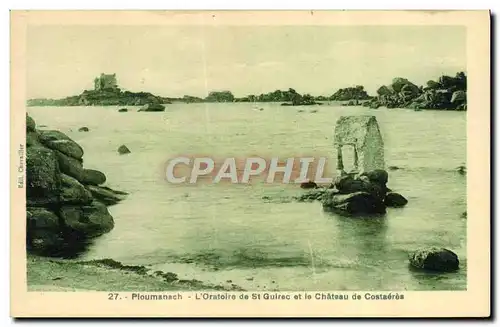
258, 244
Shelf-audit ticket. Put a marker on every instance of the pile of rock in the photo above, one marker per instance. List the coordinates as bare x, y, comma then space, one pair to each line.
363, 194
448, 93
355, 195
65, 204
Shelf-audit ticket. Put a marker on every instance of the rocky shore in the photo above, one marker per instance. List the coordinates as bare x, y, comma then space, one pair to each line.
447, 93
48, 274
66, 204
66, 207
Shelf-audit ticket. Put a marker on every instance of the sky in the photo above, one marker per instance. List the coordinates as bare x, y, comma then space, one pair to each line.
179, 60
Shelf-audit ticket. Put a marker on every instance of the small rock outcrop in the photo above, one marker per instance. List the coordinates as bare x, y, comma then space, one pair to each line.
123, 149
83, 129
123, 110
63, 208
308, 185
152, 107
434, 259
395, 200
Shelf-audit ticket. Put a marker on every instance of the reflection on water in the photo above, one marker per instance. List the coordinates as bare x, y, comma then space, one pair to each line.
368, 235
246, 232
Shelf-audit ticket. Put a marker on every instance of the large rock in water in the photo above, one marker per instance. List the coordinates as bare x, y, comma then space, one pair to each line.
59, 141
152, 107
354, 204
93, 177
42, 174
434, 258
72, 192
89, 220
43, 231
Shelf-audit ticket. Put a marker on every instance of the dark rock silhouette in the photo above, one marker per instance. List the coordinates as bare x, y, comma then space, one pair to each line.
435, 259
308, 185
462, 170
123, 149
83, 129
354, 204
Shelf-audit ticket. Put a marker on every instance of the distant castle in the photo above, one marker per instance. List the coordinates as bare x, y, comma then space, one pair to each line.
105, 82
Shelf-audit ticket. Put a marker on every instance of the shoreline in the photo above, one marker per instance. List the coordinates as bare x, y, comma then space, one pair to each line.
63, 275
345, 103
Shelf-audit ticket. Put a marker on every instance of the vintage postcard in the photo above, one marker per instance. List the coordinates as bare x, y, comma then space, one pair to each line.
250, 163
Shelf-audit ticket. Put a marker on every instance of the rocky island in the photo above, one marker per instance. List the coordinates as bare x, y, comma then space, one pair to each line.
105, 93
447, 93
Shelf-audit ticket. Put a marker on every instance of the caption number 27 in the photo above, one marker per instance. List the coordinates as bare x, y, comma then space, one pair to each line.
113, 296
